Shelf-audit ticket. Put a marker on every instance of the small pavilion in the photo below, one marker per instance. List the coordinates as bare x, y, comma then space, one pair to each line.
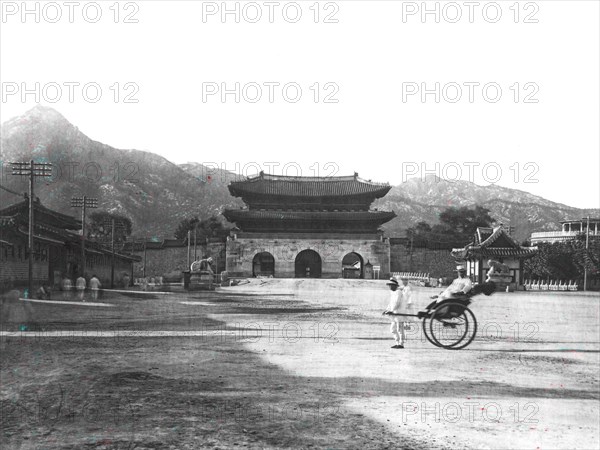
495, 244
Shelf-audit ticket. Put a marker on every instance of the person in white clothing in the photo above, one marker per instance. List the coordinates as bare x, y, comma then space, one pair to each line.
95, 286
406, 292
80, 284
67, 285
406, 300
460, 285
399, 304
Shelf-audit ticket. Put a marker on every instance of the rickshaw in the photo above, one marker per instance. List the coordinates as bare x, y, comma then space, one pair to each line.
450, 323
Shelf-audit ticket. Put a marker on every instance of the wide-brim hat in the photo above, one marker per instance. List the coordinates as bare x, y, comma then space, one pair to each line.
392, 282
461, 269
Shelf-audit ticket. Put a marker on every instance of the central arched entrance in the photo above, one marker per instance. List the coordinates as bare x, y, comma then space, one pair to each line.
308, 264
263, 264
352, 266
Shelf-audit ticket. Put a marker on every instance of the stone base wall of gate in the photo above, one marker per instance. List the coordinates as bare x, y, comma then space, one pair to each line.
240, 253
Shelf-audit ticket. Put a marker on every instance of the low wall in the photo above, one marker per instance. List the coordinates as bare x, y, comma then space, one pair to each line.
165, 260
438, 263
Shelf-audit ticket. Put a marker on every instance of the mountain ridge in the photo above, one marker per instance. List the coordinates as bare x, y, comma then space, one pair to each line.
157, 193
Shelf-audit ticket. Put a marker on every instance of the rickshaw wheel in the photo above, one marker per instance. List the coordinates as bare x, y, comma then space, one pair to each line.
426, 325
450, 324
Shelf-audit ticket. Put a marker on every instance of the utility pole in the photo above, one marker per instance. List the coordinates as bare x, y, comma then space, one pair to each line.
144, 268
32, 170
206, 253
411, 252
587, 246
143, 197
188, 245
195, 236
83, 203
114, 226
112, 255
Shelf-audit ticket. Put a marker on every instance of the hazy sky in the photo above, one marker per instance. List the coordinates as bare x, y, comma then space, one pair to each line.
518, 93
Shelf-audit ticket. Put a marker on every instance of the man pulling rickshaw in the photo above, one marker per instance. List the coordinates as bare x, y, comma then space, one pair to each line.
447, 321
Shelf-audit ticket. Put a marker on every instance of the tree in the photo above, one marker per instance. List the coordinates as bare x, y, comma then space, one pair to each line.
184, 226
100, 227
211, 227
586, 259
566, 260
456, 227
465, 221
419, 229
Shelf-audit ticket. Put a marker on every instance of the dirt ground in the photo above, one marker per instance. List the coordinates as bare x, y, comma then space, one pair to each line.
296, 363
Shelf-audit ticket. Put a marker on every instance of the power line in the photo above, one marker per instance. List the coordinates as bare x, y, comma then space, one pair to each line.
11, 191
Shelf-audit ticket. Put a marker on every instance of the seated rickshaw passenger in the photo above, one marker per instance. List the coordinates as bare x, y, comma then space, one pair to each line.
460, 286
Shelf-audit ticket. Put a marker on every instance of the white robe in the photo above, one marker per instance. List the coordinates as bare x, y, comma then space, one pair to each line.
458, 285
400, 303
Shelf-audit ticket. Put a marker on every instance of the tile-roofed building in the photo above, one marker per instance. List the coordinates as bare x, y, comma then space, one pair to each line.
56, 248
43, 214
305, 226
495, 244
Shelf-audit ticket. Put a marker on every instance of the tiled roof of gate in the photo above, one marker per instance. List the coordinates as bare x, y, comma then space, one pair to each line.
244, 214
266, 184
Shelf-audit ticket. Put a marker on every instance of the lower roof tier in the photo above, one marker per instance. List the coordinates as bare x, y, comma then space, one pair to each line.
306, 221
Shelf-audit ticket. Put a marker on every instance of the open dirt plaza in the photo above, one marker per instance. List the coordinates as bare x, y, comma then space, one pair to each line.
296, 363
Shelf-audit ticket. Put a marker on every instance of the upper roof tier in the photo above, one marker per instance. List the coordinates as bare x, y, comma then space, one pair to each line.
268, 189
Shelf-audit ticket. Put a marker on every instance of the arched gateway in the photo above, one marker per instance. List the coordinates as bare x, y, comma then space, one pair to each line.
263, 264
352, 266
308, 264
